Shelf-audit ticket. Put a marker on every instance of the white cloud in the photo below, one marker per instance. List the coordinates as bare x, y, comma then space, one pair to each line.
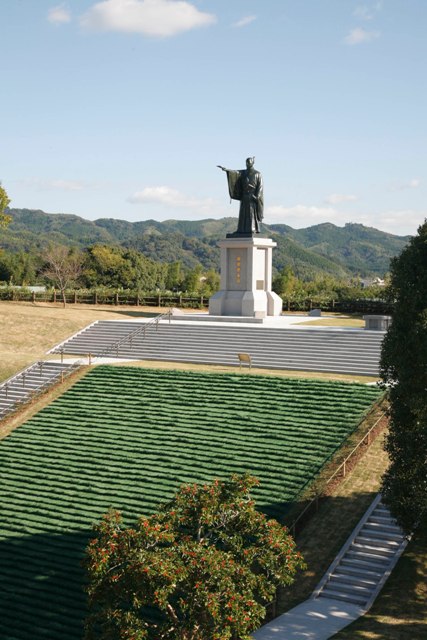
411, 184
170, 197
337, 198
160, 18
402, 222
59, 14
302, 215
244, 21
399, 222
358, 36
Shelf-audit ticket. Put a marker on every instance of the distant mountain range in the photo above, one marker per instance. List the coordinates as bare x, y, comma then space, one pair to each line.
320, 249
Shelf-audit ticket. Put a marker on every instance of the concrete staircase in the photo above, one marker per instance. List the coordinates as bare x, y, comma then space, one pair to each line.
305, 349
366, 560
22, 387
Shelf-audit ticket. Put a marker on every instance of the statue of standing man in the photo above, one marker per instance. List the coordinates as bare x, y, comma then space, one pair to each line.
246, 185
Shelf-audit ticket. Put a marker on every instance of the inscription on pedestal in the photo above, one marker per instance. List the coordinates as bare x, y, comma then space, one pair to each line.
236, 278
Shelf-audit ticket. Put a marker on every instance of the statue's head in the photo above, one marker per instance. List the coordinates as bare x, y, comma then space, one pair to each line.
250, 162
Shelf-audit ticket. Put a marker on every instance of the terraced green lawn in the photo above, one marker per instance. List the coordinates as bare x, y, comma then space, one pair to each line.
128, 437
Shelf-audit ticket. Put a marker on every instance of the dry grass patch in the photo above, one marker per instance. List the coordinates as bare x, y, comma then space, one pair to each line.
338, 514
336, 321
28, 330
189, 366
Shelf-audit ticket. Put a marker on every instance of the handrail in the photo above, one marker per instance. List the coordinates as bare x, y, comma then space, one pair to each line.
127, 338
342, 466
4, 387
37, 392
17, 376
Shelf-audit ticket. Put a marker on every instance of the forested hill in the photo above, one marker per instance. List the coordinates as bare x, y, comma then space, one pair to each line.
323, 248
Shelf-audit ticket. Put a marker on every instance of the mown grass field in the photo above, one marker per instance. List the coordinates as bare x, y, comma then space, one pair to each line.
128, 437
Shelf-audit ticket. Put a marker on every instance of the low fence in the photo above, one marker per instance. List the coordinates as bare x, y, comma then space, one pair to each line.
340, 472
162, 299
111, 298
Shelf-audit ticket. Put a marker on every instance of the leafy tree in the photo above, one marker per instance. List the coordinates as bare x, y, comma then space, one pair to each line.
174, 276
211, 283
63, 267
113, 266
404, 370
285, 283
4, 203
193, 280
203, 568
18, 268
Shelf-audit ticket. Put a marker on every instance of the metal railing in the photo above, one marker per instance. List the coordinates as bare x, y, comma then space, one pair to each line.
34, 393
115, 347
341, 469
6, 387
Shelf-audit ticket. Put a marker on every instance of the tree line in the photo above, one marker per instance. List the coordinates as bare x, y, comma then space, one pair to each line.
120, 268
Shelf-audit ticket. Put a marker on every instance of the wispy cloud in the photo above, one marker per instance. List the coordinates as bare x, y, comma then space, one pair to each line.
157, 18
338, 198
41, 184
367, 12
359, 36
59, 14
410, 184
302, 215
164, 195
244, 21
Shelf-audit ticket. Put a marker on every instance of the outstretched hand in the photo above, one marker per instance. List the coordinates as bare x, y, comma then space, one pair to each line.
220, 167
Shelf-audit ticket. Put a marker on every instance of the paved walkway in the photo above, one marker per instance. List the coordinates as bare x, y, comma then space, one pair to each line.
314, 619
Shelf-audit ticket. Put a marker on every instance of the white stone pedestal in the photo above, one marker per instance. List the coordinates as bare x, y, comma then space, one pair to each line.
246, 265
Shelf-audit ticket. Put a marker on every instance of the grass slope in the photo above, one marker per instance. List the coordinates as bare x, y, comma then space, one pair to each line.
129, 437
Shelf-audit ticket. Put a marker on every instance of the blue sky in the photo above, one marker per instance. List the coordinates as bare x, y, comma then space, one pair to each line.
123, 108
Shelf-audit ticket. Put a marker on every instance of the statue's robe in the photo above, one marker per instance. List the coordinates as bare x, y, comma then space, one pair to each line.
246, 186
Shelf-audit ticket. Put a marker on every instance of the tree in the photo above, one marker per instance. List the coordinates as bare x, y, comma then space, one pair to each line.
192, 281
204, 567
404, 371
63, 267
113, 266
285, 283
174, 276
4, 203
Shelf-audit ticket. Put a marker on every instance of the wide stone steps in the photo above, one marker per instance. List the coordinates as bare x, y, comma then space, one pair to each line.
343, 351
21, 388
367, 558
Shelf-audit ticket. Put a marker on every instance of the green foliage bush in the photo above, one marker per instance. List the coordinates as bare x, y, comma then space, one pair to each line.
205, 566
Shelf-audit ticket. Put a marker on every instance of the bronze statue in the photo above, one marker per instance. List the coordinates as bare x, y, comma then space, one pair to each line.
246, 185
